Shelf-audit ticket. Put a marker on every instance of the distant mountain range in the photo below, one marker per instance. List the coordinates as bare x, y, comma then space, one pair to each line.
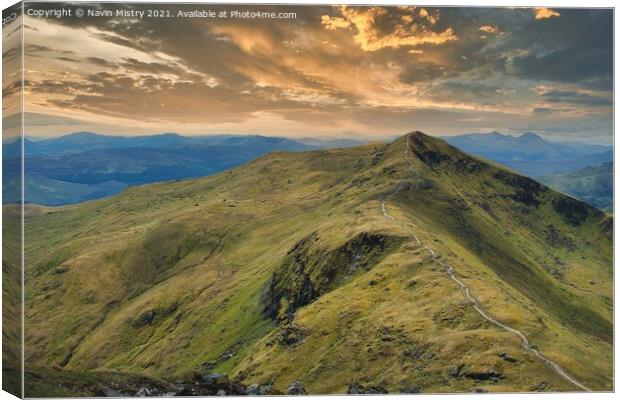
532, 155
80, 142
84, 165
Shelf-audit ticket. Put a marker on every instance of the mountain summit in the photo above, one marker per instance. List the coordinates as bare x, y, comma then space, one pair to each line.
531, 136
378, 268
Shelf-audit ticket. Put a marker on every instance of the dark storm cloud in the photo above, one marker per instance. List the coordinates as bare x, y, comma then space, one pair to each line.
577, 46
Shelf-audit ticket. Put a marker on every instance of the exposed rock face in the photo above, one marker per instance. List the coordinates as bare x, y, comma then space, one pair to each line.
527, 190
215, 379
208, 365
427, 150
310, 271
460, 371
292, 334
146, 318
416, 352
557, 239
575, 212
484, 375
139, 388
378, 155
356, 388
506, 357
256, 390
143, 392
215, 384
411, 389
419, 148
110, 392
150, 317
296, 389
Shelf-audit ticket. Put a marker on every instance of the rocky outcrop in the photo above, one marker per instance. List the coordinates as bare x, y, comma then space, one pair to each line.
434, 153
209, 384
527, 190
291, 335
460, 371
309, 270
295, 389
574, 211
490, 375
419, 146
356, 388
506, 357
215, 384
558, 239
150, 317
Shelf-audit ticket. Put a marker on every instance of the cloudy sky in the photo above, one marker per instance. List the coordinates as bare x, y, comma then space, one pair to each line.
331, 71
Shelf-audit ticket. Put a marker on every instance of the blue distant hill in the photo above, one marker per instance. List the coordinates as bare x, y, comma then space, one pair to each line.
84, 165
531, 154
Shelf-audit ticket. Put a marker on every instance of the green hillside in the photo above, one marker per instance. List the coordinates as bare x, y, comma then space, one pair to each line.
317, 267
11, 301
594, 185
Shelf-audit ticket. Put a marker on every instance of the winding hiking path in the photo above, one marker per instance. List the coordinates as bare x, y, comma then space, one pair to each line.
466, 293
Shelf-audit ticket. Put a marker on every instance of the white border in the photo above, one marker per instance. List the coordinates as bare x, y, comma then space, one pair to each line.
462, 3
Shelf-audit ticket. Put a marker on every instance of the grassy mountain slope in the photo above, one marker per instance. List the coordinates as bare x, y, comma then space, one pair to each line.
11, 301
11, 221
287, 269
592, 184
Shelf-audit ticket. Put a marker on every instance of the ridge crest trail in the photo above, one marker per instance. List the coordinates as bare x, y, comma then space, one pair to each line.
466, 292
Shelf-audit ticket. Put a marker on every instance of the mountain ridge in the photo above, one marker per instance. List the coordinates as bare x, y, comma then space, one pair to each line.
256, 237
